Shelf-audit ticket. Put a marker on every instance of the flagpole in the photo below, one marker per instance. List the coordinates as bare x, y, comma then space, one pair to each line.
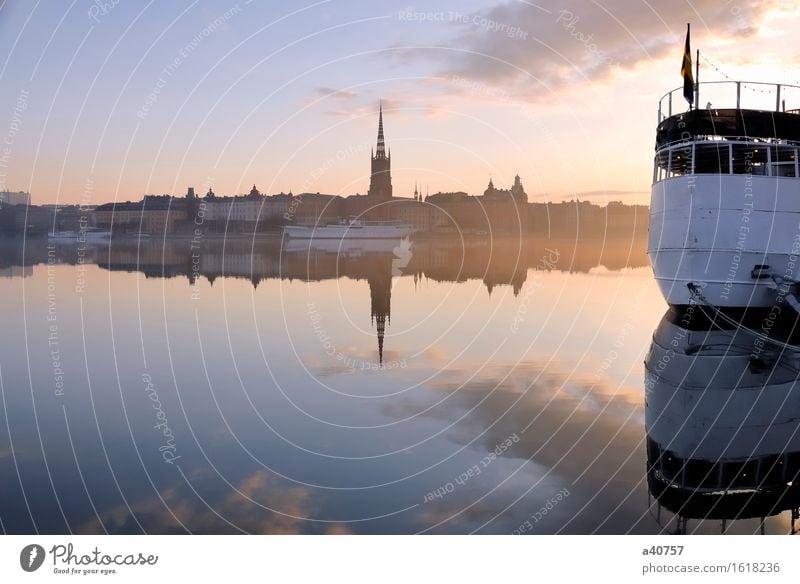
697, 82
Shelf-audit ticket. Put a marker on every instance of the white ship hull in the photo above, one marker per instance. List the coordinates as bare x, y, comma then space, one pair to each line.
712, 231
348, 232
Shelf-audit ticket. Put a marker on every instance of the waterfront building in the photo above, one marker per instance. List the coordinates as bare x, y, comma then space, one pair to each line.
155, 214
14, 198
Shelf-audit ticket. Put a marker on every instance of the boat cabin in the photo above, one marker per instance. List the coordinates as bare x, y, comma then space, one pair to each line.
730, 140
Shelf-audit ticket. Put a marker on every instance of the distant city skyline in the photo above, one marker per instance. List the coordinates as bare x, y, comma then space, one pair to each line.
106, 101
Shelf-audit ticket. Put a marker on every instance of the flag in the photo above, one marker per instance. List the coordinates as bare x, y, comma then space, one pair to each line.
686, 70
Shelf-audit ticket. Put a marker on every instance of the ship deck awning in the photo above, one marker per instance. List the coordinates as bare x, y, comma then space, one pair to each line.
729, 123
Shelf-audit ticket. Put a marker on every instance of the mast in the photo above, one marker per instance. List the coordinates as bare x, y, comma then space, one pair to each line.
697, 81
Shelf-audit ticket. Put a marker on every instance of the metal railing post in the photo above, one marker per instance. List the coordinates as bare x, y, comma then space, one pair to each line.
656, 169
770, 166
778, 99
738, 95
669, 162
730, 159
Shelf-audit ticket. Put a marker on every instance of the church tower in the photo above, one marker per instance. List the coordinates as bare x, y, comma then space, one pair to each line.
380, 183
380, 292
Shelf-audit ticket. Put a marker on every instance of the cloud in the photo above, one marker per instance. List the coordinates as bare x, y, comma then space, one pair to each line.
574, 41
390, 107
343, 94
228, 513
435, 354
587, 432
505, 399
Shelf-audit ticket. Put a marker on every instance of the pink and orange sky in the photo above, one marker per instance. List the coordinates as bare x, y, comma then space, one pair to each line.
111, 100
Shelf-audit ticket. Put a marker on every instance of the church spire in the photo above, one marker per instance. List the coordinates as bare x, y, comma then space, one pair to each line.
381, 151
380, 183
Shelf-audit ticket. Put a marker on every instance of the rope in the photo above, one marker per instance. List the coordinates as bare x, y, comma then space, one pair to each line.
695, 290
717, 69
729, 78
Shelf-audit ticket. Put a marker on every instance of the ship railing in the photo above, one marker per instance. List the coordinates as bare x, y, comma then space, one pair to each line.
727, 157
752, 95
756, 473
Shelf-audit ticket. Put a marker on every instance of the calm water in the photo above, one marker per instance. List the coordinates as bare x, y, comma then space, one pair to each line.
443, 387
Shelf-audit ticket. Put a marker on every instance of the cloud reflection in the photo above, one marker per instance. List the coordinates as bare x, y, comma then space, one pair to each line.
230, 512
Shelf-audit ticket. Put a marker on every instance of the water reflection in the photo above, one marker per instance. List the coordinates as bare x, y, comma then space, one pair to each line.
521, 358
723, 424
496, 261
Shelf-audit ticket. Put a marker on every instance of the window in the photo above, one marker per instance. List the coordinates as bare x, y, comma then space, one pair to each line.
783, 161
753, 158
680, 161
749, 159
712, 158
675, 161
661, 165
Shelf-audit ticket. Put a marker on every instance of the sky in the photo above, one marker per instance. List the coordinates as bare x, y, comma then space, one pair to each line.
104, 100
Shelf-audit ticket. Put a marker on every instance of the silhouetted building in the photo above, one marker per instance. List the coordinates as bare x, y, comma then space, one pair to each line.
153, 214
380, 182
317, 208
14, 198
32, 219
412, 212
497, 211
516, 192
380, 293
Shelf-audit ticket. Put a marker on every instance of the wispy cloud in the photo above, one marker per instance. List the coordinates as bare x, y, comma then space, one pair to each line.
574, 41
343, 94
227, 513
356, 111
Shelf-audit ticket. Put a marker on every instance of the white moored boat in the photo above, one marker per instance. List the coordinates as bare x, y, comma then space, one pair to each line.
352, 229
725, 202
87, 235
